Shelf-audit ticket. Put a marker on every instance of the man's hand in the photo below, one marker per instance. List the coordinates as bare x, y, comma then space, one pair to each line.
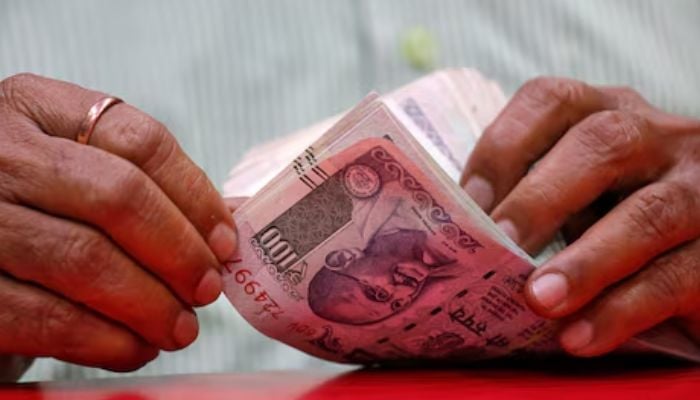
636, 266
104, 248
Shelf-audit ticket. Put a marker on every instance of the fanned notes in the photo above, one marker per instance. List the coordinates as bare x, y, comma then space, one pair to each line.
363, 249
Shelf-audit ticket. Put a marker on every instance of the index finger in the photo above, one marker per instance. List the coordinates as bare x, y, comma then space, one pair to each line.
532, 122
59, 109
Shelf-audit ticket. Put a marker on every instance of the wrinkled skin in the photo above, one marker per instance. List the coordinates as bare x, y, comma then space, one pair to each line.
622, 179
104, 248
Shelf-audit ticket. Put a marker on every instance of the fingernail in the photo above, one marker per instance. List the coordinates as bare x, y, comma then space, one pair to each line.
577, 335
508, 227
223, 242
480, 190
186, 328
550, 289
209, 288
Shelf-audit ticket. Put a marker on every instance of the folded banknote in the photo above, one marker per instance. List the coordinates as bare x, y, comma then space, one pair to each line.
357, 244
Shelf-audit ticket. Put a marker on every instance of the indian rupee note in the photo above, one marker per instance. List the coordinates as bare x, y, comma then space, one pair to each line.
368, 257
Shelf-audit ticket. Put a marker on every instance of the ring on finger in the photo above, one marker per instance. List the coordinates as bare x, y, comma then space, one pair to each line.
93, 115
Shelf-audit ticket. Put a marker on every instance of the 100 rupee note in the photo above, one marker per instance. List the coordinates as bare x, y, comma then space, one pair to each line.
367, 256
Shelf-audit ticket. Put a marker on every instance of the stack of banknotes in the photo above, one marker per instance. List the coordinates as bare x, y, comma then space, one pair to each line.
357, 245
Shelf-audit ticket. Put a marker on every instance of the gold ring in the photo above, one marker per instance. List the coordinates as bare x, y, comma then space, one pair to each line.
93, 115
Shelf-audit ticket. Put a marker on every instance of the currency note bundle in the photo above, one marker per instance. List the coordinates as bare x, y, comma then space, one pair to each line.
362, 248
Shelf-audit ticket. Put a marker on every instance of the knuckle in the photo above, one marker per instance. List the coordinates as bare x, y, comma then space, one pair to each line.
612, 136
16, 84
659, 212
128, 200
542, 192
116, 189
123, 194
86, 256
628, 93
57, 322
668, 283
15, 89
563, 91
149, 140
628, 98
154, 136
197, 181
676, 278
498, 139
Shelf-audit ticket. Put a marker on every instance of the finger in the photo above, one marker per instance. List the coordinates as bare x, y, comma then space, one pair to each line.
59, 109
626, 98
86, 267
36, 323
606, 150
668, 287
649, 222
535, 118
87, 184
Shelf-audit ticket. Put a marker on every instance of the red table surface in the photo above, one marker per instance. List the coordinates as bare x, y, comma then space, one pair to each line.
627, 380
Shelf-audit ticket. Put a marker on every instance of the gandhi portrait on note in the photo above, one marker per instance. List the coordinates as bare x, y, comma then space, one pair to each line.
387, 272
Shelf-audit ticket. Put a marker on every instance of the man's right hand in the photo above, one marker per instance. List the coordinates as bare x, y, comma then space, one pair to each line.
620, 176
